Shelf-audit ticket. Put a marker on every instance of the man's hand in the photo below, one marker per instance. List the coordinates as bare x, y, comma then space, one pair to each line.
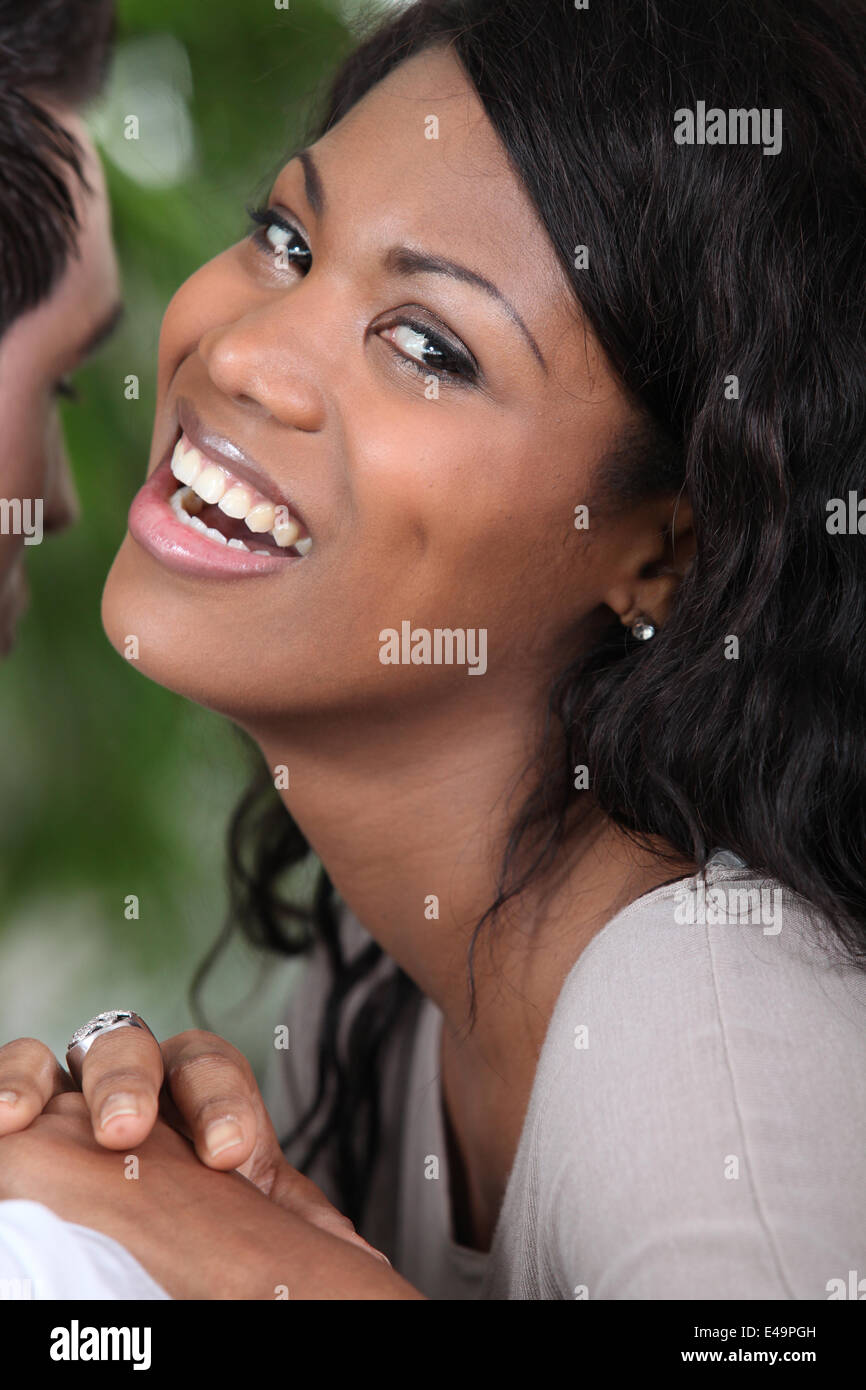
197, 1082
200, 1234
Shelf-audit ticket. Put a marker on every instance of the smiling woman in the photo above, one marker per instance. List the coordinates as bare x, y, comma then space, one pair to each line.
528, 1056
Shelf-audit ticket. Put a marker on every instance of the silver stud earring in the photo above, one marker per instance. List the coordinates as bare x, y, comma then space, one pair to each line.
643, 629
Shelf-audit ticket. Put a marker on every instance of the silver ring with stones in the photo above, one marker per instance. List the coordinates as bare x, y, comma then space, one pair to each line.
84, 1037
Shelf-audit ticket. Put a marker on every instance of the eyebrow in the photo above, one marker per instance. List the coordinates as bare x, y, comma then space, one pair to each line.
102, 331
405, 260
313, 186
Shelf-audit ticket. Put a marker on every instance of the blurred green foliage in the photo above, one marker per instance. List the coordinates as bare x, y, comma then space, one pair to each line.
113, 786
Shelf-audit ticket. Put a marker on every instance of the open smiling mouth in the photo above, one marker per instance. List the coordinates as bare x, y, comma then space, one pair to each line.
216, 504
202, 512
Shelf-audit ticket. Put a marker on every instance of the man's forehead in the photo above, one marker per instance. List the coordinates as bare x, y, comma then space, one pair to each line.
87, 292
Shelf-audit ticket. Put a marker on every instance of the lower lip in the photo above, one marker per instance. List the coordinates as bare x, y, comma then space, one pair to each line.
153, 524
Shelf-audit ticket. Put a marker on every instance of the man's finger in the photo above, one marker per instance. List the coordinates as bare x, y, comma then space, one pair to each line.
300, 1195
30, 1075
215, 1093
121, 1077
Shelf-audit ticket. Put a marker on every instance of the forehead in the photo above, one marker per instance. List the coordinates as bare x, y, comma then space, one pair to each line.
91, 279
418, 161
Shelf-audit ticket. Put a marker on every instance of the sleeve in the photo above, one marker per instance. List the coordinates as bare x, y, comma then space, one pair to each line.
692, 1143
43, 1257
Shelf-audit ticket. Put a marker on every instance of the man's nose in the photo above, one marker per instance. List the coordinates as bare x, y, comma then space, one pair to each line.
62, 507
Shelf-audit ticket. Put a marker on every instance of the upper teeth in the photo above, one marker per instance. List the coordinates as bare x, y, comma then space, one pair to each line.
212, 483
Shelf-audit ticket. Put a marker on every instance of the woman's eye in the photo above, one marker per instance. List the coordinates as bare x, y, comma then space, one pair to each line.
428, 352
418, 347
280, 239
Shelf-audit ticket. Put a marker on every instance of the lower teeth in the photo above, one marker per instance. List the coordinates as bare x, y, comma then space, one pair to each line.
184, 496
177, 500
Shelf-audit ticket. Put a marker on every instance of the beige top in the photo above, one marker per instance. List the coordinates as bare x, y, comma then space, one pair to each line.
696, 1126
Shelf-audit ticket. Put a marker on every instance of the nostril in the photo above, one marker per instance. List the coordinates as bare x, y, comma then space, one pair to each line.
61, 518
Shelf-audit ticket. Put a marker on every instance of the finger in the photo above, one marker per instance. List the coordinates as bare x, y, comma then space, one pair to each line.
213, 1088
70, 1103
121, 1077
30, 1075
215, 1098
300, 1195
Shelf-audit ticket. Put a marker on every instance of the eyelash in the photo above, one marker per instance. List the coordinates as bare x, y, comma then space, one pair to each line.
67, 391
462, 370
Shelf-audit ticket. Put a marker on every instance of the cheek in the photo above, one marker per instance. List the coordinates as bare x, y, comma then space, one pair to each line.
28, 415
486, 521
209, 297
465, 513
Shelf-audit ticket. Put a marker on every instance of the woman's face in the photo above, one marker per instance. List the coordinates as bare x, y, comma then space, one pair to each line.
427, 431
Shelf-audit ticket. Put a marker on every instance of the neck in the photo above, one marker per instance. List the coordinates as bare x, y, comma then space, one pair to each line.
410, 818
410, 822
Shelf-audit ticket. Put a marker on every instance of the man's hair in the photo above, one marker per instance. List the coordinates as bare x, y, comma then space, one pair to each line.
55, 51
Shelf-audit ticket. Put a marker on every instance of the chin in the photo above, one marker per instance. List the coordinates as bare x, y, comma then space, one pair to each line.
156, 636
230, 654
168, 635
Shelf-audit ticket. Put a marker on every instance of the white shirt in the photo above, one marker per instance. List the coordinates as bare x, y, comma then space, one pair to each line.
43, 1258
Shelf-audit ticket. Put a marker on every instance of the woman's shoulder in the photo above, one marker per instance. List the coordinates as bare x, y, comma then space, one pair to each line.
700, 1096
742, 941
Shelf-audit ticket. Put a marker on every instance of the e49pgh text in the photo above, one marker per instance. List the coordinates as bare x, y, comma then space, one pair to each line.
77, 1343
724, 1334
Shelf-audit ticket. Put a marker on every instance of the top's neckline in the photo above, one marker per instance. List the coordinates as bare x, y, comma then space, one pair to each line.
724, 863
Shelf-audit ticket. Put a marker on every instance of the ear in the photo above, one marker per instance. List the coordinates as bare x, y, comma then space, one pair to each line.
657, 546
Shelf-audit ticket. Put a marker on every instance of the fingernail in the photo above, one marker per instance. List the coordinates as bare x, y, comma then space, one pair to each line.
116, 1106
221, 1135
371, 1250
9, 1097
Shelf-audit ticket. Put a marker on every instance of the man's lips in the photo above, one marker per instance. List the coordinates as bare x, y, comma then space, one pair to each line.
14, 596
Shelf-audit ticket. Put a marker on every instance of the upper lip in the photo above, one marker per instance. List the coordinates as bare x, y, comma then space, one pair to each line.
224, 451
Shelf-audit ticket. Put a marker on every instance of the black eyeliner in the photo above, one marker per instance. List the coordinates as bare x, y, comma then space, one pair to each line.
459, 355
466, 372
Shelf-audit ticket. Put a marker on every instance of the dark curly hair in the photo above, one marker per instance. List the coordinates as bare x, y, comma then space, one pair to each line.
706, 262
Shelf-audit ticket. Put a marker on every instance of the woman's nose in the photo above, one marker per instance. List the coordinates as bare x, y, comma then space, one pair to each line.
259, 367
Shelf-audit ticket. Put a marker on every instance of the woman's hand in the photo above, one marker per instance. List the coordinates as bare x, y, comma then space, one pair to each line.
200, 1234
201, 1085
